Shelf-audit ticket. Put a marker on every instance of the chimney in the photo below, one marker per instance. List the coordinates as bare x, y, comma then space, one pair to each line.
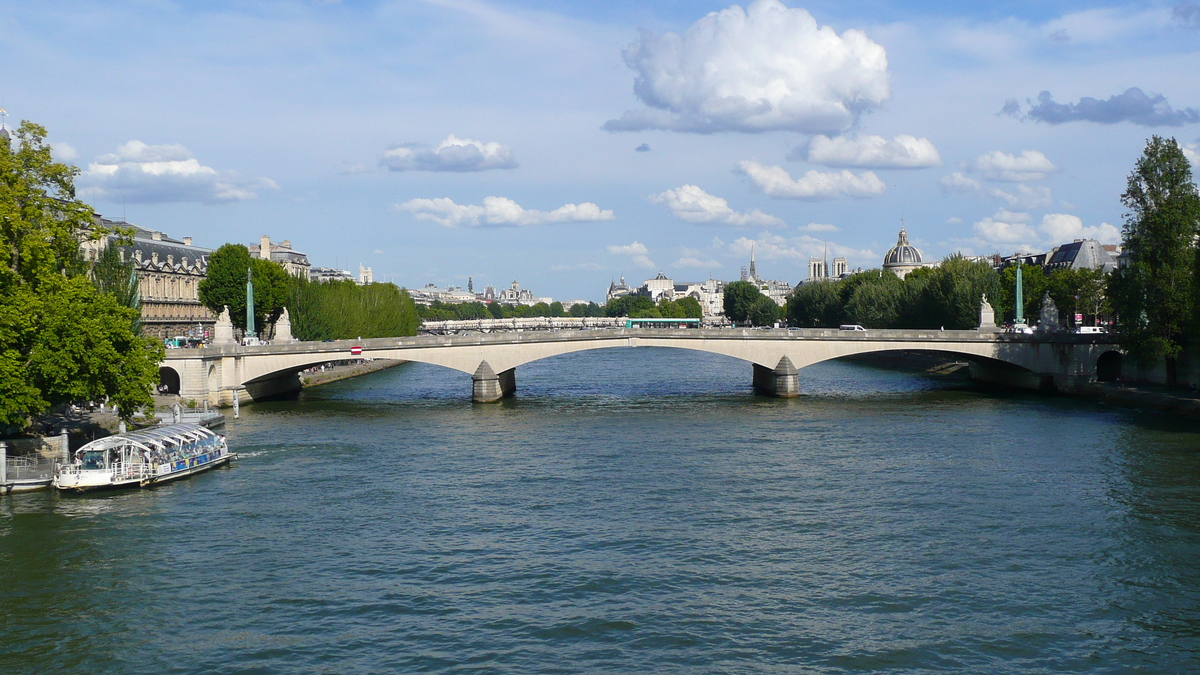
183, 260
286, 243
187, 241
170, 260
156, 236
154, 257
138, 255
264, 248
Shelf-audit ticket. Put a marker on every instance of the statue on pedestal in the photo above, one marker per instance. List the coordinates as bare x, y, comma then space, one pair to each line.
223, 331
987, 315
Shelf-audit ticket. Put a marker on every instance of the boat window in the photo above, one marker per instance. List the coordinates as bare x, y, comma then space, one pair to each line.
93, 459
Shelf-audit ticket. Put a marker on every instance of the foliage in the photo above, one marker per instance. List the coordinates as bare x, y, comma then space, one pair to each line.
343, 310
630, 305
61, 338
591, 309
225, 286
118, 278
945, 296
740, 296
1034, 284
764, 311
1154, 296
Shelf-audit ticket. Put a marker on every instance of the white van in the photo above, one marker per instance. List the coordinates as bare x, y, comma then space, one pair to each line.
1091, 330
852, 326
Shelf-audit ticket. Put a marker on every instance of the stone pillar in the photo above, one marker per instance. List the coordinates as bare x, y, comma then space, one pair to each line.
65, 445
283, 329
487, 386
782, 381
223, 331
3, 465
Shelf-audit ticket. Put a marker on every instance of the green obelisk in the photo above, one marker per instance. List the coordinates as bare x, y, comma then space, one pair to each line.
1020, 318
250, 302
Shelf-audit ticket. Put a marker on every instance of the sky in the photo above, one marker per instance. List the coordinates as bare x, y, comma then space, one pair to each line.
564, 144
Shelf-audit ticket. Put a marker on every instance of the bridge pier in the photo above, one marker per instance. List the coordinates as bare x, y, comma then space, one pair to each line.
782, 381
487, 386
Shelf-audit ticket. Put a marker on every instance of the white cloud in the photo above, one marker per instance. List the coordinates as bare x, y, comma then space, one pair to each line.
764, 68
1001, 166
873, 152
691, 261
637, 252
776, 182
818, 227
770, 246
1063, 227
63, 152
499, 212
694, 205
1024, 196
581, 267
453, 154
954, 220
137, 172
999, 231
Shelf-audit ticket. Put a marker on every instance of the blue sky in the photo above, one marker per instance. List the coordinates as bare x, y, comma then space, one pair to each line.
440, 139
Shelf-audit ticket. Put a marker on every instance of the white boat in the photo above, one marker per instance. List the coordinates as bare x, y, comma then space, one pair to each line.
144, 458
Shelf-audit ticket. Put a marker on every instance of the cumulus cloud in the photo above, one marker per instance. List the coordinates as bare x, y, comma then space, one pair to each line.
770, 246
775, 181
63, 152
1132, 106
767, 67
692, 261
1063, 227
694, 205
818, 227
138, 172
1001, 166
1023, 197
872, 152
453, 154
499, 212
1009, 228
637, 252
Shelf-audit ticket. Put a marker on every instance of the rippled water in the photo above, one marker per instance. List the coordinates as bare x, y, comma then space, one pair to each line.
631, 511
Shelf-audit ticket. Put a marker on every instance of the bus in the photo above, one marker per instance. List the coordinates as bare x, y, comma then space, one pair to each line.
662, 323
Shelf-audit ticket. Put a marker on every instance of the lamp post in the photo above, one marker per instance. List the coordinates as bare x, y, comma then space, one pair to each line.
250, 302
1020, 315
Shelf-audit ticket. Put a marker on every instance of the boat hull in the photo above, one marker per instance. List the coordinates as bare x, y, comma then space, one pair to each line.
150, 481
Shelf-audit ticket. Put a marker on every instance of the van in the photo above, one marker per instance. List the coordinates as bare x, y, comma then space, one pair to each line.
852, 326
1091, 330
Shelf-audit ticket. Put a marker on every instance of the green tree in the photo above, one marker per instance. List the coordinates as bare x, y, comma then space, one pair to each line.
1034, 284
740, 296
1153, 296
61, 338
113, 272
342, 310
876, 304
225, 286
691, 308
556, 309
815, 305
764, 311
954, 291
627, 305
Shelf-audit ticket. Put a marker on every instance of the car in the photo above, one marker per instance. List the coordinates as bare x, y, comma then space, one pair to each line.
853, 327
1090, 330
1019, 328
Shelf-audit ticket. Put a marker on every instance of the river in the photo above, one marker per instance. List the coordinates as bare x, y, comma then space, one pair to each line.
631, 510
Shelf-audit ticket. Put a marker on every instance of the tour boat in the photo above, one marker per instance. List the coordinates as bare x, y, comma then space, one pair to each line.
144, 458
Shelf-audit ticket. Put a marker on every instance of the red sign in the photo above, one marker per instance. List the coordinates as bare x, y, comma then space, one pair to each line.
356, 351
1079, 317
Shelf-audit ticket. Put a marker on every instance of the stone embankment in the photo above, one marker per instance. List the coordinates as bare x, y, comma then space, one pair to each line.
1180, 403
342, 372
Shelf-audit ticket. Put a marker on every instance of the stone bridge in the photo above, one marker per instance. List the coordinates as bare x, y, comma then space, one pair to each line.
1056, 361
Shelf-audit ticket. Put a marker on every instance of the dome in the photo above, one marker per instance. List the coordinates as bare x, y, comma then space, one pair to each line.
902, 254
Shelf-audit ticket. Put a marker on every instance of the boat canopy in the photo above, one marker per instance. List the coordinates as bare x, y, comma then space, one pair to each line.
155, 438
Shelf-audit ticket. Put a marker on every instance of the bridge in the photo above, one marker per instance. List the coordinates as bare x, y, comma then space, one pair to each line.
1054, 361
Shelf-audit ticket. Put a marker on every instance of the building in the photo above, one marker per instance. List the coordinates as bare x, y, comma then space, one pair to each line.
818, 268
329, 274
365, 275
710, 294
169, 273
659, 288
515, 295
295, 262
903, 257
1083, 254
616, 290
774, 289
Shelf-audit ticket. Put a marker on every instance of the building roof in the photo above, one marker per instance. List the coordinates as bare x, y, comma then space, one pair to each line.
1082, 254
902, 254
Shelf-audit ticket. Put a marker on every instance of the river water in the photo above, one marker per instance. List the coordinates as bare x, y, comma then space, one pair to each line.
631, 511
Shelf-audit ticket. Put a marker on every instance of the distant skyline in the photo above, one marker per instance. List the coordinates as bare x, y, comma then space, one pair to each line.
564, 144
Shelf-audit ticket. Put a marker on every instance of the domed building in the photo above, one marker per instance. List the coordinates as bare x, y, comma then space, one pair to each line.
903, 257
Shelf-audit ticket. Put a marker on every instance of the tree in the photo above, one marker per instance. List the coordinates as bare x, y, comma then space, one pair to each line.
627, 305
764, 311
556, 309
342, 310
815, 305
225, 286
1153, 296
118, 277
740, 296
1034, 284
876, 304
61, 338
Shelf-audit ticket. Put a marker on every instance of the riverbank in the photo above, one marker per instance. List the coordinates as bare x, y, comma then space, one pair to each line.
1180, 403
317, 377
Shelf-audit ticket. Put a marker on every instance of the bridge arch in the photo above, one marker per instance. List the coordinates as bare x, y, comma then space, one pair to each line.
168, 379
1108, 366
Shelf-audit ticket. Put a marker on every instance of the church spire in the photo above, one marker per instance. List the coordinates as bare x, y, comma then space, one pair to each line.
753, 272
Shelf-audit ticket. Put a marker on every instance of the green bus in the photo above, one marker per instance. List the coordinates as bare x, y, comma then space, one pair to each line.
662, 323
